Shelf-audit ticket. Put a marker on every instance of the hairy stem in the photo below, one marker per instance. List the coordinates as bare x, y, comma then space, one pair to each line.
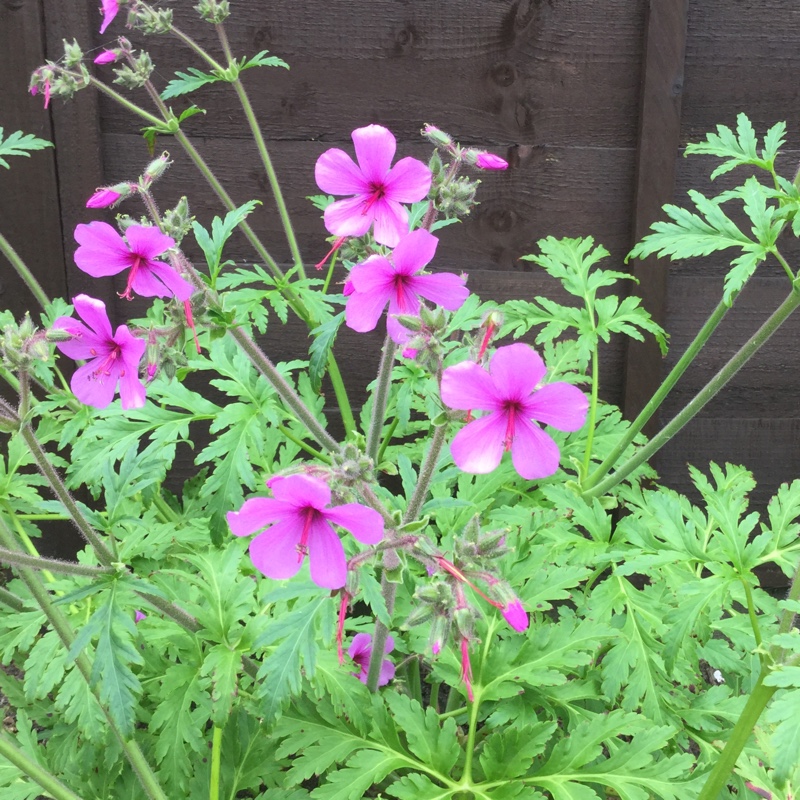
380, 398
745, 353
35, 771
660, 395
22, 270
20, 559
216, 760
426, 474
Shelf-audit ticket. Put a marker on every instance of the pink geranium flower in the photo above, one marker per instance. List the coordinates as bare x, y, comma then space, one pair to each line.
104, 252
378, 189
510, 392
109, 10
111, 360
397, 281
361, 652
296, 523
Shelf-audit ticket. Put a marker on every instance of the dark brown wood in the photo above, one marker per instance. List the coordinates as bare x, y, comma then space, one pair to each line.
76, 132
29, 211
659, 131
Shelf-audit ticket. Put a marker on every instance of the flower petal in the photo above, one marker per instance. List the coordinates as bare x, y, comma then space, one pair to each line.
364, 523
258, 512
444, 289
147, 241
478, 447
102, 251
468, 385
409, 181
364, 309
92, 388
326, 556
274, 552
337, 173
559, 404
86, 344
391, 222
131, 390
375, 147
534, 453
362, 643
374, 274
414, 251
386, 673
302, 491
174, 283
515, 370
346, 217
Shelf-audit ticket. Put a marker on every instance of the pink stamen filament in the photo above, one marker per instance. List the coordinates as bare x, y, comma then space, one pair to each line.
377, 193
104, 367
336, 245
187, 309
490, 329
448, 566
302, 547
466, 668
340, 626
137, 260
511, 410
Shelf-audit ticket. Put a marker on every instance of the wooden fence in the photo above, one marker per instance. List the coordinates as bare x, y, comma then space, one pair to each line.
591, 101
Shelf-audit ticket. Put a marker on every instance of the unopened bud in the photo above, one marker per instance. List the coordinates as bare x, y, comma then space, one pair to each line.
440, 630
155, 169
436, 136
150, 20
409, 321
58, 335
213, 11
73, 55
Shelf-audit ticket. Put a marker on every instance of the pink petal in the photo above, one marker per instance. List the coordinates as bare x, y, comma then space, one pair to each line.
409, 181
559, 404
93, 313
147, 241
515, 370
131, 390
274, 552
87, 345
516, 616
302, 491
444, 289
386, 673
399, 334
490, 161
533, 452
364, 309
146, 284
467, 386
109, 9
345, 217
414, 251
326, 556
102, 251
256, 513
364, 523
106, 57
375, 147
374, 274
478, 447
92, 389
391, 222
337, 173
362, 643
174, 283
103, 198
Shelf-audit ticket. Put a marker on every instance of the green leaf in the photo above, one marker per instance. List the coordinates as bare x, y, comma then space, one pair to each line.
263, 60
223, 665
740, 148
784, 710
433, 742
324, 337
212, 243
415, 786
189, 82
45, 666
19, 144
363, 770
510, 752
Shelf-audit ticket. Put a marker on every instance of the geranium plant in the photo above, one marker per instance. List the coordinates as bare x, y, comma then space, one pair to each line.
478, 589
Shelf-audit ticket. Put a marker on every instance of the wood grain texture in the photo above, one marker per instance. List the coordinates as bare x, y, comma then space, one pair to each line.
659, 130
76, 134
516, 72
29, 209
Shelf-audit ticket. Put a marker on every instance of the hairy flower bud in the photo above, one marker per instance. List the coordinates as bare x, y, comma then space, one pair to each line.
155, 169
150, 20
177, 222
137, 74
73, 55
213, 11
437, 137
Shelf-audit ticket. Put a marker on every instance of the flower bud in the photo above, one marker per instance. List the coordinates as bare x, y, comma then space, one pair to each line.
150, 20
409, 321
490, 161
437, 137
107, 57
213, 11
155, 169
58, 335
73, 55
105, 196
440, 631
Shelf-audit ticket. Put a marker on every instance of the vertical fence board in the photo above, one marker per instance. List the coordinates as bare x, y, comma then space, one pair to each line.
659, 133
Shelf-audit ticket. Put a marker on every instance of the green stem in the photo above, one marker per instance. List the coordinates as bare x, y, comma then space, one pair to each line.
661, 393
387, 439
104, 555
744, 354
381, 632
255, 130
283, 389
348, 420
19, 559
380, 398
469, 748
35, 771
24, 538
216, 760
592, 421
22, 270
724, 765
123, 101
167, 512
304, 445
426, 474
61, 626
10, 600
751, 610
